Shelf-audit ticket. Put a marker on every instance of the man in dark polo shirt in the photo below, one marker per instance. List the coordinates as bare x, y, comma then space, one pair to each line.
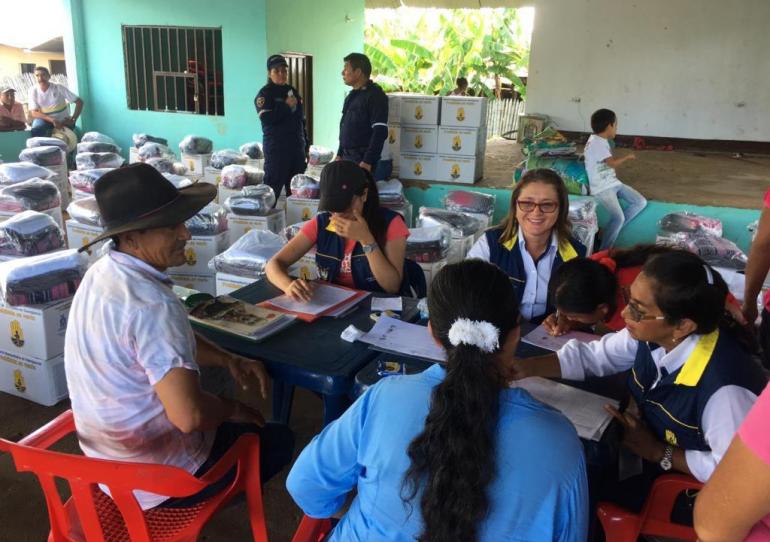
364, 124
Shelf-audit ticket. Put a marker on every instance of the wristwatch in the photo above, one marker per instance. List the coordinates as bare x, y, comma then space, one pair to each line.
668, 455
368, 249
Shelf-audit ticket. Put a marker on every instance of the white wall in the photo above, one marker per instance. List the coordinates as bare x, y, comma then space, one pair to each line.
676, 68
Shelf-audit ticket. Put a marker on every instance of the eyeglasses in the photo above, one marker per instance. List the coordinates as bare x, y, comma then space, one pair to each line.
637, 315
546, 207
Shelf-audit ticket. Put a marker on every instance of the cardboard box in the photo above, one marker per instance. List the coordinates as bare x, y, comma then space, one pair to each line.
430, 269
196, 163
394, 142
300, 209
202, 283
240, 224
530, 125
227, 283
223, 193
459, 169
463, 111
80, 234
422, 139
306, 267
394, 107
133, 155
212, 175
420, 167
54, 213
258, 163
461, 141
34, 331
199, 251
421, 110
41, 381
314, 171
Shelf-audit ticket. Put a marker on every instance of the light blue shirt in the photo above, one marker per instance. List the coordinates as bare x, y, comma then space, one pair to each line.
540, 493
535, 296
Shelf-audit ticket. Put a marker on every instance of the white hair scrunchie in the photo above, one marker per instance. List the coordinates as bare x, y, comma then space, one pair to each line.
483, 335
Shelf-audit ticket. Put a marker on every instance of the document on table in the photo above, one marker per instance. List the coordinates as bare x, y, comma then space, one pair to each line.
325, 296
584, 409
394, 304
395, 336
540, 337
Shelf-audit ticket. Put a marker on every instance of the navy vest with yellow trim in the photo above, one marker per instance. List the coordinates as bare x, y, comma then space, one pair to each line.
674, 408
507, 257
330, 250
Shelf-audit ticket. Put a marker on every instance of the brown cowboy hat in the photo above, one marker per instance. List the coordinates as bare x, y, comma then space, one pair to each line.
138, 197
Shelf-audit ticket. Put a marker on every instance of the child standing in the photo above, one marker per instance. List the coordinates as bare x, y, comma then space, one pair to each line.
604, 183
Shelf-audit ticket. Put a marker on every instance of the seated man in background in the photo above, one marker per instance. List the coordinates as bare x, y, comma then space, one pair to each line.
11, 112
49, 105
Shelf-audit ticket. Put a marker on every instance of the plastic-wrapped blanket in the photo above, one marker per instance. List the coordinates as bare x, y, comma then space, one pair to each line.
31, 195
227, 157
460, 224
253, 175
716, 251
98, 146
465, 201
585, 223
253, 150
210, 220
153, 150
428, 245
86, 211
305, 187
687, 222
30, 233
390, 191
178, 181
141, 139
318, 155
51, 155
94, 160
16, 172
234, 176
42, 279
292, 230
253, 200
46, 142
161, 163
96, 137
192, 144
84, 179
248, 256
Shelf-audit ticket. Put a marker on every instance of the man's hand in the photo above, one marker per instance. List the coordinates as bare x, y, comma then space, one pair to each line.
365, 166
750, 312
637, 437
244, 369
245, 414
69, 121
300, 290
356, 229
58, 124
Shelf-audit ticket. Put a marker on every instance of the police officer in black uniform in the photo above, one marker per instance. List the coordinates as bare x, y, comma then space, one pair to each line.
364, 124
284, 140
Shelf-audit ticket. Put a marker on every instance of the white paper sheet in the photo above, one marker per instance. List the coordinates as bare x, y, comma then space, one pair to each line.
387, 304
540, 337
325, 296
585, 410
400, 337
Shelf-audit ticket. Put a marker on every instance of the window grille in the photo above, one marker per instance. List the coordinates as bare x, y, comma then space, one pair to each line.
174, 69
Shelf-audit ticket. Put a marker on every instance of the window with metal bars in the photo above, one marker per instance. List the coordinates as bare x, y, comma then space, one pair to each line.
174, 69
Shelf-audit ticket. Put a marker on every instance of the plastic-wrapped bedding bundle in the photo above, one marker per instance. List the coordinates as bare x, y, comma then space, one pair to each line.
179, 169
42, 279
234, 176
248, 256
227, 157
84, 179
461, 224
44, 156
465, 201
161, 163
86, 211
319, 155
98, 146
210, 220
585, 224
46, 142
253, 200
253, 150
17, 172
94, 160
305, 187
31, 195
715, 251
141, 139
178, 181
292, 230
390, 191
30, 233
96, 137
687, 222
428, 245
195, 145
253, 175
153, 150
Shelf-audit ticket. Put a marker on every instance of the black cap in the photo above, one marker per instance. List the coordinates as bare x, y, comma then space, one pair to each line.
340, 181
276, 60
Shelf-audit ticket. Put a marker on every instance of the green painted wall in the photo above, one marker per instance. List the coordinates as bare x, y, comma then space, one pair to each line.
328, 31
11, 144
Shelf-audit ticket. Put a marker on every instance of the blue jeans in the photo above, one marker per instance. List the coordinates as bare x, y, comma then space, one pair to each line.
619, 217
41, 128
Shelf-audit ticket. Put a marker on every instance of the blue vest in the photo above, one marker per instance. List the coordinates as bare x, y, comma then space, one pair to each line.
330, 250
507, 257
674, 408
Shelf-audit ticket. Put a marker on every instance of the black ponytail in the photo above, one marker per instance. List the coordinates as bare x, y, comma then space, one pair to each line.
372, 212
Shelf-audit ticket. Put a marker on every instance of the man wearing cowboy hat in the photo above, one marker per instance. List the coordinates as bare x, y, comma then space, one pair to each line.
131, 356
11, 112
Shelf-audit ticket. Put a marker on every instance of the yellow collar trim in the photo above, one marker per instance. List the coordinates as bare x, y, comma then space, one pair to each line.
566, 250
330, 227
696, 363
510, 243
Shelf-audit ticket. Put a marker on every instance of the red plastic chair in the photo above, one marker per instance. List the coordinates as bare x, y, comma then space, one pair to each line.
620, 525
92, 515
312, 530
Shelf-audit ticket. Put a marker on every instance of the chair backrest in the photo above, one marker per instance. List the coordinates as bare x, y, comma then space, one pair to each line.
656, 514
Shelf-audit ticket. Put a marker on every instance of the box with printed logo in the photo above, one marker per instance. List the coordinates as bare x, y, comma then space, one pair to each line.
418, 109
223, 193
418, 167
394, 107
419, 139
212, 175
227, 283
460, 141
79, 235
133, 155
34, 331
394, 141
430, 269
305, 267
237, 225
199, 251
41, 381
196, 164
206, 283
300, 209
465, 111
459, 169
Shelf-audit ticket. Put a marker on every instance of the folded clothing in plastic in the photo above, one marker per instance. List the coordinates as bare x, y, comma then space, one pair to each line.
461, 224
393, 187
428, 245
42, 279
30, 233
293, 229
685, 221
98, 146
86, 211
16, 172
46, 142
180, 168
51, 155
585, 223
210, 220
94, 160
305, 186
153, 150
253, 150
178, 180
466, 201
319, 155
248, 256
84, 179
195, 145
31, 195
253, 200
96, 137
161, 163
234, 176
141, 139
227, 157
715, 251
